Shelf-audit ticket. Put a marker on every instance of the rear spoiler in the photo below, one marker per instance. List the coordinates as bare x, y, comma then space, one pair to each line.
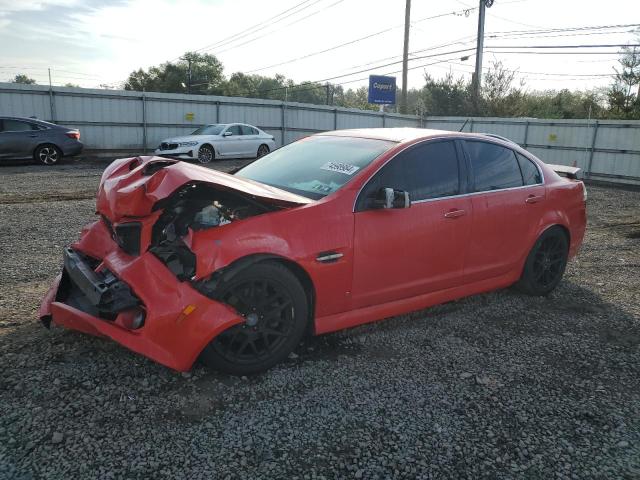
566, 171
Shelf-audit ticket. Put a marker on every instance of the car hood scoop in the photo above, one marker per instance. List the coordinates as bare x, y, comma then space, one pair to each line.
130, 187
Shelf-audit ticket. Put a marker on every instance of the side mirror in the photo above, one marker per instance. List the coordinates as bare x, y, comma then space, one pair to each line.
390, 198
227, 134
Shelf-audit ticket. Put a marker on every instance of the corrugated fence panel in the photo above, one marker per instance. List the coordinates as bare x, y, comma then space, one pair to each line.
25, 104
310, 120
400, 121
357, 120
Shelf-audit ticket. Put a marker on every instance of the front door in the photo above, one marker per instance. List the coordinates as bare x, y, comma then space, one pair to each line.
231, 145
18, 139
401, 253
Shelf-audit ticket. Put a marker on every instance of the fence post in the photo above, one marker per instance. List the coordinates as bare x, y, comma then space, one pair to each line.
284, 123
335, 118
144, 122
384, 120
526, 134
593, 146
52, 105
217, 111
471, 126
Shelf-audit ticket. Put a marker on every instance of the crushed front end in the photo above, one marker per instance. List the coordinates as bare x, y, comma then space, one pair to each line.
129, 275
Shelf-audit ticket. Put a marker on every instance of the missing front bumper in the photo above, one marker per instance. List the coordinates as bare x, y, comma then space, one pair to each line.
98, 293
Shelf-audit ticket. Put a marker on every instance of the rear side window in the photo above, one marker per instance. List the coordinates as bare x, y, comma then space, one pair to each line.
425, 171
530, 173
16, 126
247, 130
494, 167
235, 129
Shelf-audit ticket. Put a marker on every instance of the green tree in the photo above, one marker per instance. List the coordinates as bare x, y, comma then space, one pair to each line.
446, 96
202, 73
23, 79
624, 94
351, 98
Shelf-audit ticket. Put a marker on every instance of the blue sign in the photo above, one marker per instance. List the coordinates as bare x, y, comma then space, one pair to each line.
382, 90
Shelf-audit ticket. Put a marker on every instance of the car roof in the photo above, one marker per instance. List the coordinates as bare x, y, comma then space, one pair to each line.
399, 135
402, 135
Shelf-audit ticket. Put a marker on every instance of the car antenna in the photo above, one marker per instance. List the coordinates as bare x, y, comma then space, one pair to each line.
463, 125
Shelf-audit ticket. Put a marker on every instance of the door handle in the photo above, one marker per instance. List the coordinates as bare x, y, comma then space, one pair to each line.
534, 199
33, 135
455, 214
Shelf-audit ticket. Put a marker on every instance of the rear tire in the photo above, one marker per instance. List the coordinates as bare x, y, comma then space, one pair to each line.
47, 154
275, 310
262, 150
206, 154
545, 264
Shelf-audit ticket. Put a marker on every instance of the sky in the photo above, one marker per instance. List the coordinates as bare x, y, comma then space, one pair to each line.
92, 43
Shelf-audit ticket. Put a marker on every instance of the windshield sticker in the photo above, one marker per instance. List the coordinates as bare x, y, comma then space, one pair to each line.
340, 168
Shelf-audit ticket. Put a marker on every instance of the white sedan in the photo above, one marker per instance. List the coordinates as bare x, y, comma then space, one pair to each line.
220, 140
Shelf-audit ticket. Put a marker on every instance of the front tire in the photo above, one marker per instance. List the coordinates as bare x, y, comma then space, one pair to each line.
206, 154
47, 154
545, 264
274, 306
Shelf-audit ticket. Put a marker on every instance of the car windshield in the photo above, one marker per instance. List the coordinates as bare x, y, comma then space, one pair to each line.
316, 166
209, 130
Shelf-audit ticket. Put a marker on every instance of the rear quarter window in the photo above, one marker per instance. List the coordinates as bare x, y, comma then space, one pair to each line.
530, 173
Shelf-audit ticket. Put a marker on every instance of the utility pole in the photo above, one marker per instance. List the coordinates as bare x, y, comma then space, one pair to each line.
405, 56
477, 76
328, 95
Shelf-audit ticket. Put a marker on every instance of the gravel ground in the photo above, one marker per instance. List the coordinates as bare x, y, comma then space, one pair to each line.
494, 386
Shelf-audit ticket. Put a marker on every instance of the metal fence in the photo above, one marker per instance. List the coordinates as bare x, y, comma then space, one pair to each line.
123, 120
134, 121
606, 150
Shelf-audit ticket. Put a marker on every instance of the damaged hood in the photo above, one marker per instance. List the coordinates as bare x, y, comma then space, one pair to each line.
130, 187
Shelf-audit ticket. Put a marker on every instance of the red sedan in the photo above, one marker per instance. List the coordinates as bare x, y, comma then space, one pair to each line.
332, 231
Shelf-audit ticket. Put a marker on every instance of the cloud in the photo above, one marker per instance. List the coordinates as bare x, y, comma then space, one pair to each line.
8, 6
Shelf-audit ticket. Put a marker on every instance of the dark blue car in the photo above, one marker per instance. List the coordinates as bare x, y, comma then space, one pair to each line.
29, 138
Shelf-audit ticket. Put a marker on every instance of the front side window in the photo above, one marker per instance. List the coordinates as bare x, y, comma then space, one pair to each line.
530, 173
494, 167
426, 171
209, 130
316, 166
235, 130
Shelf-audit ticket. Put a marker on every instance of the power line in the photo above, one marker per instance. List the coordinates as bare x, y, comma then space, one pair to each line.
609, 45
357, 40
261, 26
298, 20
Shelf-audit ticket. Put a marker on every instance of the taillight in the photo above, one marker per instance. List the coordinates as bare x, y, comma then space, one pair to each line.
584, 192
73, 134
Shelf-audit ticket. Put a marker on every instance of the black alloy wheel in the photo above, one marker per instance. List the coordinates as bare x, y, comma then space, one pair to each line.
546, 263
262, 150
273, 305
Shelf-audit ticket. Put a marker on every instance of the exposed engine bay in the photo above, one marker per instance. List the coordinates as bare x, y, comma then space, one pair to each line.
196, 206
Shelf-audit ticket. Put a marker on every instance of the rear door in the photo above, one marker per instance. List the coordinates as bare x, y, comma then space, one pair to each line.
508, 202
250, 141
401, 253
231, 145
18, 139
